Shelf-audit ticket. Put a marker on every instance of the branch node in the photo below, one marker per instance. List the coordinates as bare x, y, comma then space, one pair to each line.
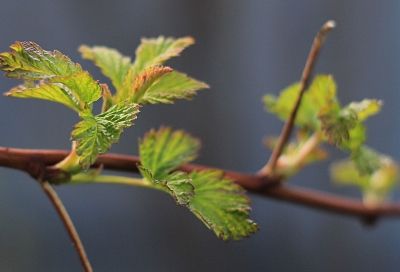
269, 168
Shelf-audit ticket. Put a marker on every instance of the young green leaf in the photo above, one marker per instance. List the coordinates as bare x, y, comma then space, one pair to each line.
282, 105
51, 92
320, 95
345, 173
160, 84
145, 80
170, 87
163, 150
113, 64
181, 187
357, 137
218, 202
156, 51
365, 108
221, 205
28, 61
366, 160
343, 127
151, 52
336, 125
375, 185
61, 80
177, 184
95, 134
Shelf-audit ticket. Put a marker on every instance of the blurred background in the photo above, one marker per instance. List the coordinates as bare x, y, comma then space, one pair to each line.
244, 49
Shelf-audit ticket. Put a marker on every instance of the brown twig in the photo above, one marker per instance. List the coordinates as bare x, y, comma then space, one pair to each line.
26, 159
68, 224
319, 39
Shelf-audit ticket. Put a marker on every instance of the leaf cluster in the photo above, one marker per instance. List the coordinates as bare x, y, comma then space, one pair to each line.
322, 116
51, 75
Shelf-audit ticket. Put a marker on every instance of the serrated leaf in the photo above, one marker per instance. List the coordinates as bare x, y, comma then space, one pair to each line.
146, 84
77, 92
177, 184
181, 187
218, 202
163, 150
86, 89
221, 205
147, 174
145, 80
51, 92
95, 134
112, 63
156, 51
170, 87
28, 61
320, 95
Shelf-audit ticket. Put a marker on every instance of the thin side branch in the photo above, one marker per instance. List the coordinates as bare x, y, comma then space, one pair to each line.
319, 39
68, 224
27, 160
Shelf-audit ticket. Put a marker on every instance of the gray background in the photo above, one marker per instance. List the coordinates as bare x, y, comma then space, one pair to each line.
244, 49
